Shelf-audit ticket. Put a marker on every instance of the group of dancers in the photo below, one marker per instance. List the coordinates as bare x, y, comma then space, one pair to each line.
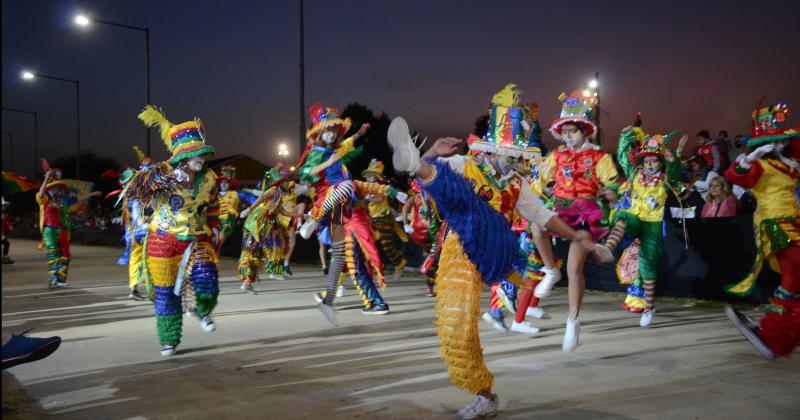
488, 216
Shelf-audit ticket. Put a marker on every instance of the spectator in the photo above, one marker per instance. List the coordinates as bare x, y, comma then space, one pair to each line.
723, 144
719, 201
709, 151
696, 169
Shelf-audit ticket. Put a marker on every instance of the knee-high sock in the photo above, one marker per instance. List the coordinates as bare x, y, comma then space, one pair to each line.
649, 292
335, 268
616, 234
337, 195
525, 298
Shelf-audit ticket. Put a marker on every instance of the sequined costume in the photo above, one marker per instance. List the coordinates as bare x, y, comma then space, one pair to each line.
56, 228
264, 237
390, 236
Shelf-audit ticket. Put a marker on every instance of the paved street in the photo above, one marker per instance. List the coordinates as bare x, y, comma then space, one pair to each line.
273, 356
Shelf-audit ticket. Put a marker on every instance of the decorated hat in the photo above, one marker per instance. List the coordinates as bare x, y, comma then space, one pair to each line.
228, 173
272, 176
534, 145
56, 185
375, 169
650, 145
769, 124
506, 135
326, 118
575, 109
183, 140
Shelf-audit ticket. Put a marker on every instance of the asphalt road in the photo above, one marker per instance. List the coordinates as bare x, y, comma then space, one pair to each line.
273, 356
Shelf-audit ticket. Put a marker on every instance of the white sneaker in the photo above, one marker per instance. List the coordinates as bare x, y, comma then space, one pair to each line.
406, 154
168, 350
573, 330
509, 303
480, 407
604, 253
243, 286
524, 327
308, 228
318, 297
647, 318
551, 277
340, 291
537, 313
208, 325
496, 324
280, 277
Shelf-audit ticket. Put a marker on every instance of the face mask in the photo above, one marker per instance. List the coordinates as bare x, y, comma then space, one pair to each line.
328, 137
196, 163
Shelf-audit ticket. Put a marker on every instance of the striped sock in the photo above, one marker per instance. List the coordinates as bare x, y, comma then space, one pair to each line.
616, 234
649, 292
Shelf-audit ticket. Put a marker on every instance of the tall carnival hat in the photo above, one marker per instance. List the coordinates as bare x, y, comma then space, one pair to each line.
272, 176
183, 140
375, 169
769, 124
228, 173
326, 118
506, 135
534, 144
575, 109
649, 145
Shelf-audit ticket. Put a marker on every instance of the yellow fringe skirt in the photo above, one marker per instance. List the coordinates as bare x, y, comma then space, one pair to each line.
458, 306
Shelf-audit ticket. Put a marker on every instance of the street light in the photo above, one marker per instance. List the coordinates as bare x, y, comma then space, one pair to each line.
30, 76
593, 84
283, 150
83, 20
35, 136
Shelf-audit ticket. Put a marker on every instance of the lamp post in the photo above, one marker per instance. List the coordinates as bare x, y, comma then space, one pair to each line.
83, 20
594, 85
301, 53
30, 76
10, 149
35, 137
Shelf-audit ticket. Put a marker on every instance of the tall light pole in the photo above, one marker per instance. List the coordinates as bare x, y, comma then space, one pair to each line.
35, 137
10, 149
30, 76
83, 20
302, 138
594, 85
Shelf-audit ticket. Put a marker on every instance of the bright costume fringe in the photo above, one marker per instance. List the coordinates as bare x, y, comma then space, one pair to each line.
458, 306
56, 241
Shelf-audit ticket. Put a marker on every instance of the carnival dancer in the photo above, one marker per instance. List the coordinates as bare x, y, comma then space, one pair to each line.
56, 225
352, 243
228, 202
263, 236
578, 169
480, 245
653, 172
422, 224
771, 171
390, 236
290, 205
180, 256
7, 226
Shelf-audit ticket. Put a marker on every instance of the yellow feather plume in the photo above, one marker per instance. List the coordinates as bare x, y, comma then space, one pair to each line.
508, 97
139, 154
152, 116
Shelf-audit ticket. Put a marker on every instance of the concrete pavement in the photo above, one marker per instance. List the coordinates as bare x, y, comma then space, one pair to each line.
273, 356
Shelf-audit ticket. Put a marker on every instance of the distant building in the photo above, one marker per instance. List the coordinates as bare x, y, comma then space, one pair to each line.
248, 170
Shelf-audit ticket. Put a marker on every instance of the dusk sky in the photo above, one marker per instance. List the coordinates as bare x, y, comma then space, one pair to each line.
685, 65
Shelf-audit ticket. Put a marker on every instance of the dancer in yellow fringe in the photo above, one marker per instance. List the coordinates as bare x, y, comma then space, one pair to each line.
480, 245
389, 235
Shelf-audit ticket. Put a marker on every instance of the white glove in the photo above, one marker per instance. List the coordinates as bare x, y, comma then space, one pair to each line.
409, 229
525, 125
401, 197
399, 219
244, 213
760, 151
117, 220
180, 175
300, 189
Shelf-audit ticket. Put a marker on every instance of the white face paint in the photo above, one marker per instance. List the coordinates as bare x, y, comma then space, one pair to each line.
571, 136
196, 163
224, 185
502, 164
651, 165
328, 137
371, 178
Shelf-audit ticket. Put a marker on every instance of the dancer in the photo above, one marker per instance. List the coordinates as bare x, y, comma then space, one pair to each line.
771, 173
352, 243
263, 236
179, 258
390, 236
578, 168
289, 204
480, 245
56, 225
423, 228
653, 172
228, 203
7, 226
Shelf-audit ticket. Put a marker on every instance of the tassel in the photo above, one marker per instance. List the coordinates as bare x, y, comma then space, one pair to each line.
152, 116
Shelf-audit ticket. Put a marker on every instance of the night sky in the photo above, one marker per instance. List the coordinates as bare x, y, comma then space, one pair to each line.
683, 64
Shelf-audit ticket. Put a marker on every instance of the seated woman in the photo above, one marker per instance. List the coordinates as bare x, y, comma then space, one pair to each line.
720, 202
